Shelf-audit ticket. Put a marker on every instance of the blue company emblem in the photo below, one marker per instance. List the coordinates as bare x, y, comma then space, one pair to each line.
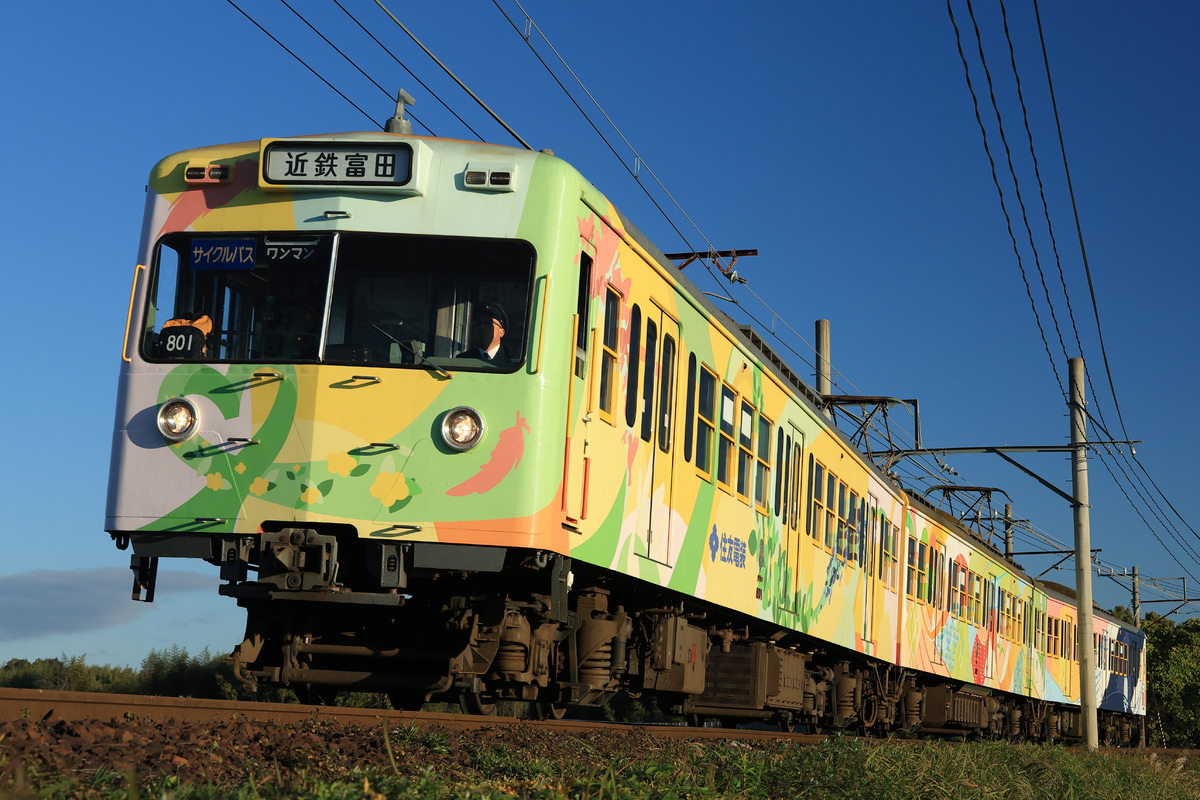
727, 549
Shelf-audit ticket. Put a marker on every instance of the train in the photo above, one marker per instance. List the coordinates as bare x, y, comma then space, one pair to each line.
450, 428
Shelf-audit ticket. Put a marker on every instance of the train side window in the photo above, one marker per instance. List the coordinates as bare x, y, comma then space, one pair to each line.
608, 351
793, 520
762, 475
689, 412
666, 394
635, 347
782, 455
954, 604
816, 506
706, 404
887, 553
789, 478
651, 353
911, 572
937, 577
581, 310
831, 509
725, 444
745, 457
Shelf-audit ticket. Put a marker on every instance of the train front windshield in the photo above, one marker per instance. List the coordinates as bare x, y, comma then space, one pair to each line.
381, 299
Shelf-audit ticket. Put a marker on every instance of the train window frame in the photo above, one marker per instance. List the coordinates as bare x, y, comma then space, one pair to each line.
313, 298
634, 368
609, 357
793, 519
689, 410
954, 570
649, 387
745, 449
705, 422
582, 306
816, 499
726, 437
762, 465
666, 392
888, 557
910, 569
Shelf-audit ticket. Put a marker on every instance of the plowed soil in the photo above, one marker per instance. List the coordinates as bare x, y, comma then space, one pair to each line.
230, 752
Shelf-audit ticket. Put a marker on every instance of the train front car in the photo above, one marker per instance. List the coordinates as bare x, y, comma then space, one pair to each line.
335, 389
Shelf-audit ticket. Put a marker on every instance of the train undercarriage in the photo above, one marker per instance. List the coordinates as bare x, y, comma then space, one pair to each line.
328, 612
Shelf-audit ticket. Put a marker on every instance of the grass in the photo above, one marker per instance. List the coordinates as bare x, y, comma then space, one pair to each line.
528, 763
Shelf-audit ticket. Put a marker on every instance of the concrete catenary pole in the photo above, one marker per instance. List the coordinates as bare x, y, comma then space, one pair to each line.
824, 377
1083, 559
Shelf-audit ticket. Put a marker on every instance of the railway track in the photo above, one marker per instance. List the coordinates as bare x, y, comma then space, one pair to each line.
39, 704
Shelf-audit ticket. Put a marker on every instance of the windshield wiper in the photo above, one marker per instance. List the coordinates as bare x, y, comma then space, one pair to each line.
419, 357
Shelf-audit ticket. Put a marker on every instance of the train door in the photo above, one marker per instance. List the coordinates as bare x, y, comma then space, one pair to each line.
789, 447
579, 404
870, 563
657, 427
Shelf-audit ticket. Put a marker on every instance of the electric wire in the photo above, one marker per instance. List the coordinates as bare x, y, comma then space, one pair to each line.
411, 74
638, 159
303, 62
999, 189
1087, 267
1020, 94
338, 50
453, 77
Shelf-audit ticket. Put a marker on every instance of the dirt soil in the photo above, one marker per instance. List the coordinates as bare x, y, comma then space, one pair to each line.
228, 752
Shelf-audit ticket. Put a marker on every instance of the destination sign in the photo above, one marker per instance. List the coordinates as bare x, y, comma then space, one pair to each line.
316, 163
223, 253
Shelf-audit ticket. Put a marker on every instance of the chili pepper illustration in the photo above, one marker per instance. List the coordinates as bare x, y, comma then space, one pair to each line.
504, 459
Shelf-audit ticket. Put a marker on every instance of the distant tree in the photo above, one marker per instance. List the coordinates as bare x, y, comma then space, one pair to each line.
1173, 681
67, 674
1124, 614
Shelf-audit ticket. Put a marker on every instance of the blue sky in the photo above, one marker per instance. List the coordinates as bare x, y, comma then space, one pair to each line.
840, 140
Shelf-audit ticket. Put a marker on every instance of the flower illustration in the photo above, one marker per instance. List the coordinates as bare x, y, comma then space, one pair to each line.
311, 495
341, 463
214, 481
260, 486
390, 488
240, 468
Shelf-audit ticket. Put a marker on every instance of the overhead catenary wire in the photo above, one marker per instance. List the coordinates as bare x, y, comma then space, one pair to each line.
1185, 548
453, 77
304, 63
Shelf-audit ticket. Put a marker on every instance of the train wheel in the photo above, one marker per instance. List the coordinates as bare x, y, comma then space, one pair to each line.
477, 703
548, 709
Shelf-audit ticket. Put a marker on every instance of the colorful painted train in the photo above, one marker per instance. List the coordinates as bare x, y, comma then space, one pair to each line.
451, 429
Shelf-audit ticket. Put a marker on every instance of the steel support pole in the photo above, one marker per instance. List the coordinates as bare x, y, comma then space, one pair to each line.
1085, 648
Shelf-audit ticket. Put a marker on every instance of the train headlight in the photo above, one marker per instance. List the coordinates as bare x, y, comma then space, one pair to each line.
462, 428
177, 419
